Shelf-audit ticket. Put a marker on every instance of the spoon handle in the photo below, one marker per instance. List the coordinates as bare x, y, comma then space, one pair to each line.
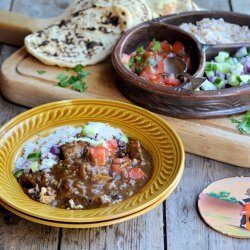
192, 84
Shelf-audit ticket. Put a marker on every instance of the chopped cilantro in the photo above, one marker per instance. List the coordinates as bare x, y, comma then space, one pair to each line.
138, 59
84, 73
62, 77
78, 68
139, 51
41, 72
79, 86
244, 124
131, 62
138, 70
156, 46
76, 81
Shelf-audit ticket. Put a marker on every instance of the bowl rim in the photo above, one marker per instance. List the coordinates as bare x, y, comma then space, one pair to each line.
145, 85
174, 177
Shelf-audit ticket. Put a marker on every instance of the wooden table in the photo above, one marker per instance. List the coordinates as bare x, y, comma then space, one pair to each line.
173, 225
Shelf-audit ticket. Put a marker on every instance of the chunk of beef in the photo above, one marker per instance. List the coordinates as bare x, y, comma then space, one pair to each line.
75, 150
135, 150
122, 149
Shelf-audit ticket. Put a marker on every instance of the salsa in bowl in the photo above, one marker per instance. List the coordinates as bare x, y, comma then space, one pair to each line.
150, 63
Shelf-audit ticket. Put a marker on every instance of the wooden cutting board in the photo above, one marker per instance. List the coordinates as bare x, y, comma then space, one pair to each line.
213, 138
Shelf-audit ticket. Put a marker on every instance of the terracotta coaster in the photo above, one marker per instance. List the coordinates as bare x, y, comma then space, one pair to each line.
225, 206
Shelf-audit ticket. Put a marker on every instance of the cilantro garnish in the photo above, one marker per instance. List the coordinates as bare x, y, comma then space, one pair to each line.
140, 51
76, 82
156, 46
79, 86
41, 72
244, 124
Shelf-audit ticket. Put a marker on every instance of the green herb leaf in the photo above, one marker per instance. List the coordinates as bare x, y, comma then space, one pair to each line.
138, 59
138, 70
156, 46
41, 72
79, 86
78, 68
18, 173
139, 51
244, 124
76, 81
131, 62
34, 156
63, 84
84, 74
62, 77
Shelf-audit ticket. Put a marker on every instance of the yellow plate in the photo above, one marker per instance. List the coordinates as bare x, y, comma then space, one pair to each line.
81, 225
155, 134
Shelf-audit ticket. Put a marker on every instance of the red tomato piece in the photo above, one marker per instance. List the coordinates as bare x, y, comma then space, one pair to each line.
156, 78
160, 68
148, 70
136, 173
125, 58
165, 46
165, 55
116, 168
172, 81
112, 144
178, 48
99, 155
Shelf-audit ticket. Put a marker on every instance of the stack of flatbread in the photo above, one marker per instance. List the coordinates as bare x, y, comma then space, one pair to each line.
90, 29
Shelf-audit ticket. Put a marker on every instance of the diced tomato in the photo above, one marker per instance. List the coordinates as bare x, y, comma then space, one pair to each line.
160, 68
112, 147
178, 48
99, 155
121, 160
165, 46
125, 58
148, 70
112, 144
156, 78
164, 55
136, 173
116, 168
172, 81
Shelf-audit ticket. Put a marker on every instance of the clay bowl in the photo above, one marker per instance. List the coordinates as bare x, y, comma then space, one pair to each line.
164, 100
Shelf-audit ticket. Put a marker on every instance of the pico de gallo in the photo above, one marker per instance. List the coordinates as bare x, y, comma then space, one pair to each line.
149, 62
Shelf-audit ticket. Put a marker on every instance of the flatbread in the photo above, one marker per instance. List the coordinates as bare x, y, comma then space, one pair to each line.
88, 33
138, 8
162, 7
166, 7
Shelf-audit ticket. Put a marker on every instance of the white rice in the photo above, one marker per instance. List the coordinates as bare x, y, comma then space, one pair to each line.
217, 31
44, 144
59, 137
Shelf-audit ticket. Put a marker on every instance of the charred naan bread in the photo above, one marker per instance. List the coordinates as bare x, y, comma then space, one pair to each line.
138, 8
87, 34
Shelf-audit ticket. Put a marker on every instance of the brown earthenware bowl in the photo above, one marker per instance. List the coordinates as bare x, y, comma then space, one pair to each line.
186, 103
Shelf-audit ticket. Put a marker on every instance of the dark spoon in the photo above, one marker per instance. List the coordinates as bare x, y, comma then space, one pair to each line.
178, 67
